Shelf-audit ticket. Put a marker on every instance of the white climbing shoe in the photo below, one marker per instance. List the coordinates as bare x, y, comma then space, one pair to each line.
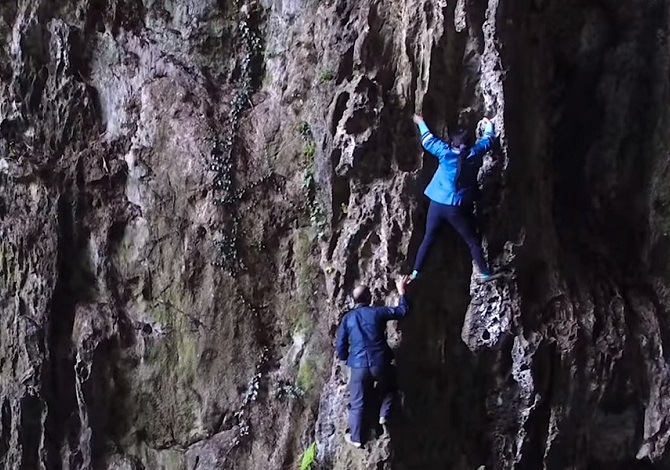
347, 438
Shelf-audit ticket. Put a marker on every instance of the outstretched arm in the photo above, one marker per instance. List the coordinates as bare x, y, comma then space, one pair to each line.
395, 313
431, 143
484, 144
342, 342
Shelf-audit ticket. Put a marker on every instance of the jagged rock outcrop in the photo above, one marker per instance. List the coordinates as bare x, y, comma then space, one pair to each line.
189, 190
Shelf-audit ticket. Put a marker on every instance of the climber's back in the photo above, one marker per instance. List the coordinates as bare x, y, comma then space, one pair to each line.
361, 340
455, 179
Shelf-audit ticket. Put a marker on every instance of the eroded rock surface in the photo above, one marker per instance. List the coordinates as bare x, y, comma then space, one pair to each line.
190, 189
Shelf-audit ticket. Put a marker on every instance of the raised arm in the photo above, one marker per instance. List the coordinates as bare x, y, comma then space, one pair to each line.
395, 313
342, 342
431, 143
484, 144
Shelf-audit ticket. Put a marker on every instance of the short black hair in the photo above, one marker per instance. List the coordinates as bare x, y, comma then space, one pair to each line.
460, 136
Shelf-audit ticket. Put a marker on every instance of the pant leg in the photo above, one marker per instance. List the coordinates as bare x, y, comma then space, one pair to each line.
385, 387
433, 222
358, 383
461, 218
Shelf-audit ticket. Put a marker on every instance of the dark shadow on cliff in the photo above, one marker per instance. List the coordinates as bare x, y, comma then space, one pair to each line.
62, 420
577, 183
442, 384
441, 381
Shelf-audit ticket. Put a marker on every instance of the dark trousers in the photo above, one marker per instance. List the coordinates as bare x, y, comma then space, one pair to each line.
462, 219
368, 386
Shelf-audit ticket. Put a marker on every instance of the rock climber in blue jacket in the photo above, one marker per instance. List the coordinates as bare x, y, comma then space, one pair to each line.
361, 342
452, 189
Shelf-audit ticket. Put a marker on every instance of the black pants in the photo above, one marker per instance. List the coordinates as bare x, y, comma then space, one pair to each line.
367, 387
462, 219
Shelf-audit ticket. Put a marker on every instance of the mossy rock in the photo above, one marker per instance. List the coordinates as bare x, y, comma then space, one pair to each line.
310, 377
299, 313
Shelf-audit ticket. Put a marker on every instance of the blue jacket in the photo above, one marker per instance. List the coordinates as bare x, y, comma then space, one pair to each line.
361, 337
449, 185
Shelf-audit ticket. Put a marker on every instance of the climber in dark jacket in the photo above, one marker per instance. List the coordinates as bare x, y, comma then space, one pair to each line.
451, 190
361, 342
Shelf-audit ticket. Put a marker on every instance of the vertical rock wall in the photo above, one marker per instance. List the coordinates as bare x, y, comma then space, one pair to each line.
190, 189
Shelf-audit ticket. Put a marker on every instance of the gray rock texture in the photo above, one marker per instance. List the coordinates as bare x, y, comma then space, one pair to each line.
190, 189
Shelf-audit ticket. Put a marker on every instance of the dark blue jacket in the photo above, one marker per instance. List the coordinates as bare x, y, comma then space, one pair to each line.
444, 187
361, 337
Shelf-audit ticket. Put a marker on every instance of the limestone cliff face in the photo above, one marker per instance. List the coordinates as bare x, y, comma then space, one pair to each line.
189, 189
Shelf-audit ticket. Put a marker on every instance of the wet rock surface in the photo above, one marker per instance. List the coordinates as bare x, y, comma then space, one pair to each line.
189, 190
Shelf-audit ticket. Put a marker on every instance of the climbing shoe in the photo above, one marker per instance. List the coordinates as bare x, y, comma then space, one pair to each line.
486, 277
383, 420
347, 438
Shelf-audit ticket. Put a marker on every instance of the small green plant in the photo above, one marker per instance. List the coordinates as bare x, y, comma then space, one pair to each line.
316, 214
258, 245
290, 391
304, 130
344, 208
308, 457
326, 75
310, 150
317, 219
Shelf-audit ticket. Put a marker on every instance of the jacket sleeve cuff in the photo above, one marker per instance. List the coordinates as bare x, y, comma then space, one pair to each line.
489, 130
